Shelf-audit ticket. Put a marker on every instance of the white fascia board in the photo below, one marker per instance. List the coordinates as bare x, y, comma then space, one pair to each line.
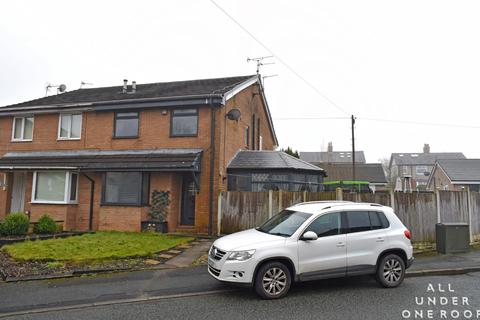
227, 96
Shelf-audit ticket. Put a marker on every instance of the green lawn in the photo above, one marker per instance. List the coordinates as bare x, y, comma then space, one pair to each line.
94, 247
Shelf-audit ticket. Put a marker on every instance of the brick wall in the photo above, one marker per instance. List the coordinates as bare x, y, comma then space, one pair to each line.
154, 132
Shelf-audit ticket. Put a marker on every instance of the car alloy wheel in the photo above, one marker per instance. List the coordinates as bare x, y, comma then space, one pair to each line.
392, 271
274, 281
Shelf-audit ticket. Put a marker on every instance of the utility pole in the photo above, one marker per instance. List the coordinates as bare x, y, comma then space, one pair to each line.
354, 176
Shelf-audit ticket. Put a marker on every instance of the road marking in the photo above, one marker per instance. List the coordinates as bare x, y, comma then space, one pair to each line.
112, 302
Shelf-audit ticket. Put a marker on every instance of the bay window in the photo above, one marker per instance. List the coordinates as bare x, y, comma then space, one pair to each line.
22, 129
125, 188
55, 187
70, 126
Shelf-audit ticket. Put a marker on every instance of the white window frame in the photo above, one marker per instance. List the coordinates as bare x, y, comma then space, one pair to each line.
22, 138
66, 195
70, 129
421, 173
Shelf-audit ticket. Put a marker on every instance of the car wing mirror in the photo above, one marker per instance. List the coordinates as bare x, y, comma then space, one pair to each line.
309, 235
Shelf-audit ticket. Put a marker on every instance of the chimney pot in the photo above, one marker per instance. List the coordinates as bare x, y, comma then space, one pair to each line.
426, 148
125, 82
330, 147
134, 86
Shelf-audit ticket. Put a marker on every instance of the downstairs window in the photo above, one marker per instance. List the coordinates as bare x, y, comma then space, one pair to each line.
125, 188
55, 187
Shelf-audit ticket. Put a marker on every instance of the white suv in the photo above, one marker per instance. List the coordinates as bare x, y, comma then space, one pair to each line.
315, 240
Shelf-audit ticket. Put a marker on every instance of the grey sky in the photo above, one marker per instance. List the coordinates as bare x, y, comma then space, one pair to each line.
409, 60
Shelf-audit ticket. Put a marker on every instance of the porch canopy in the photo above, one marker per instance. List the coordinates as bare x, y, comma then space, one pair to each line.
159, 160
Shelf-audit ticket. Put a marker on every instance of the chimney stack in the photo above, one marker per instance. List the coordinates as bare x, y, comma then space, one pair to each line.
330, 147
125, 82
426, 148
134, 86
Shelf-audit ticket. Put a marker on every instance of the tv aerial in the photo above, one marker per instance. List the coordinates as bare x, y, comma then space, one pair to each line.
61, 88
259, 61
84, 83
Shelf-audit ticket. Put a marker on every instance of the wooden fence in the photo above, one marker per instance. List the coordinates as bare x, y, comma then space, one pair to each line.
238, 210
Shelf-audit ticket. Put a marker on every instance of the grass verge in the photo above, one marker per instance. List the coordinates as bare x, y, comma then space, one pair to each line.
94, 247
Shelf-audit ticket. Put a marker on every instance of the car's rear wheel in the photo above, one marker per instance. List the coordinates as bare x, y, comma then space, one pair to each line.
273, 280
390, 271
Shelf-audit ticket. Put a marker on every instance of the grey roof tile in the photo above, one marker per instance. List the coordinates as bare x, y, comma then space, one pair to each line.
371, 172
148, 90
424, 158
461, 169
249, 159
332, 157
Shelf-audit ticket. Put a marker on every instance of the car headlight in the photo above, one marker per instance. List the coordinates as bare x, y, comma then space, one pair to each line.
241, 255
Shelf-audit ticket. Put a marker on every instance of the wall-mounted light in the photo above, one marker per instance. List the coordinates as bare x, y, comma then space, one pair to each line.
164, 112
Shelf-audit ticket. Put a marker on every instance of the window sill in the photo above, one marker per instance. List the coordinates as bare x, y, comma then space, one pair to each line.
69, 139
183, 135
53, 202
132, 137
25, 140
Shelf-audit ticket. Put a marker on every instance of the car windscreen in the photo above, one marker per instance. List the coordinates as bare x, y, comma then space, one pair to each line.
284, 223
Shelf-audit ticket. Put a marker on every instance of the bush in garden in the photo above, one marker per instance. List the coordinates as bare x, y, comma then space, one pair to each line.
45, 225
15, 224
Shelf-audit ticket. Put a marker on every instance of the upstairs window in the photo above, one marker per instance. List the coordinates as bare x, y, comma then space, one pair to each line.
184, 123
70, 126
421, 170
22, 129
126, 188
126, 125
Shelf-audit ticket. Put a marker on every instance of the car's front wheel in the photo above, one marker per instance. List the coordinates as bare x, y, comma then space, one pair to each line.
390, 271
273, 280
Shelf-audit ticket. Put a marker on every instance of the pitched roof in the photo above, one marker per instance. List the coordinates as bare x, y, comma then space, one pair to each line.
101, 160
461, 170
371, 172
249, 159
332, 157
423, 158
200, 87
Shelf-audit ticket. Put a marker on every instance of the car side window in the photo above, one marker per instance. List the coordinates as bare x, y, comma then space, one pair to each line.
326, 225
384, 220
375, 221
358, 221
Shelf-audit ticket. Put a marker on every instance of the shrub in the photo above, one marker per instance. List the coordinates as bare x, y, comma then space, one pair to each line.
45, 225
15, 224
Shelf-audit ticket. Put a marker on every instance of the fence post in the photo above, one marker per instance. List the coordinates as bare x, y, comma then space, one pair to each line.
305, 196
392, 200
437, 198
219, 214
280, 200
270, 203
469, 205
339, 194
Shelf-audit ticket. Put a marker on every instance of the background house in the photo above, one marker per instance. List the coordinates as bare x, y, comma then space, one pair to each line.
412, 170
91, 158
370, 172
272, 170
457, 175
323, 157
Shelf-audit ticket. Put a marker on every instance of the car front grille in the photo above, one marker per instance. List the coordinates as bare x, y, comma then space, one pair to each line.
216, 254
216, 272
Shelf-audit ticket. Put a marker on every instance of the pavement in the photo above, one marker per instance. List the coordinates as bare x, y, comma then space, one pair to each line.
59, 295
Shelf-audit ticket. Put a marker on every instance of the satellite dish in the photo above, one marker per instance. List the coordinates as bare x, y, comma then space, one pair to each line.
234, 114
62, 88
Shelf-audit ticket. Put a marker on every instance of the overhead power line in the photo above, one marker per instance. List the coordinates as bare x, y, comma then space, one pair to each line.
283, 62
421, 123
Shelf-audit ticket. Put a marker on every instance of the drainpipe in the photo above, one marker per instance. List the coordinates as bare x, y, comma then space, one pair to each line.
212, 168
92, 195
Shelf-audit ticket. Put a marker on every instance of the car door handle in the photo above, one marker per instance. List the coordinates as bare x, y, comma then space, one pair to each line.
341, 244
380, 239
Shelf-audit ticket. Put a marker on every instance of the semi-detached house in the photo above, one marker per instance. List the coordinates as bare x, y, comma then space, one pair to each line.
91, 158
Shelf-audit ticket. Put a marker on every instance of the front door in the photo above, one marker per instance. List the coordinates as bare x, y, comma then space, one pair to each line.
187, 217
18, 192
325, 257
